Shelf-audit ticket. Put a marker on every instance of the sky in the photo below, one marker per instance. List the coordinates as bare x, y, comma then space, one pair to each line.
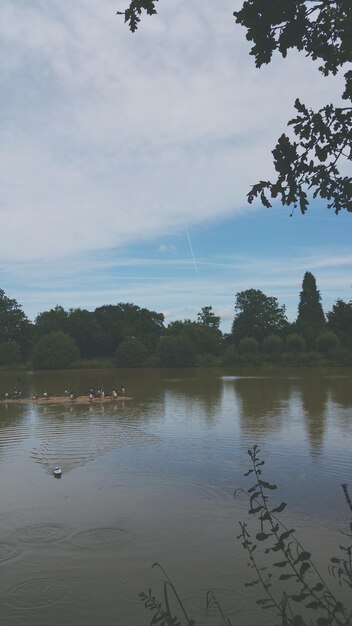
125, 160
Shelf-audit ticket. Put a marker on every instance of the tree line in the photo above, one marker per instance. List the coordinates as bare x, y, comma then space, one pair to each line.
125, 335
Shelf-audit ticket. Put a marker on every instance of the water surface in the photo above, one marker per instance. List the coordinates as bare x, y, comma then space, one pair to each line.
152, 479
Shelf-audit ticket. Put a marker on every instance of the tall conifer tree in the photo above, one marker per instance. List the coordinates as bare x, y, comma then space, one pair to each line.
311, 318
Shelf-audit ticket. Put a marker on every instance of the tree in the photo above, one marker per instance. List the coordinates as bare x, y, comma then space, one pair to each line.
208, 318
56, 350
148, 326
248, 345
311, 319
295, 343
14, 325
310, 309
130, 353
323, 30
10, 353
175, 351
273, 346
85, 329
125, 321
204, 339
340, 321
327, 342
50, 321
257, 315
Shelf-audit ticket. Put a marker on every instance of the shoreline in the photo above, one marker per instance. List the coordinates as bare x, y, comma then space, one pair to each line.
63, 400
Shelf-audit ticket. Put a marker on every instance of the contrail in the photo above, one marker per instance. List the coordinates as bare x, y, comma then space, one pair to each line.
192, 253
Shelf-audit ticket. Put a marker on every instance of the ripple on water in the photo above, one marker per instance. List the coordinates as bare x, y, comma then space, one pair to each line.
101, 537
82, 590
71, 446
37, 593
40, 533
7, 552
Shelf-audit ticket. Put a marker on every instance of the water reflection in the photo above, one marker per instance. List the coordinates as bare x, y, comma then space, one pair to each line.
267, 404
263, 402
314, 394
13, 427
340, 390
199, 391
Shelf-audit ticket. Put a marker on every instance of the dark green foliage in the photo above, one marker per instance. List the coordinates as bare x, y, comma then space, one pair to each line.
175, 351
273, 346
341, 568
163, 613
288, 562
310, 164
327, 342
185, 343
208, 318
230, 356
130, 353
340, 321
80, 324
85, 329
134, 11
14, 325
292, 585
56, 350
51, 321
323, 30
126, 320
309, 308
136, 337
207, 339
341, 356
257, 315
311, 319
208, 360
248, 345
295, 343
302, 359
10, 353
99, 333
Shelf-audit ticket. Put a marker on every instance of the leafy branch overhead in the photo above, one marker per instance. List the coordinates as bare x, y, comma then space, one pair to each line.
323, 29
134, 11
314, 163
311, 163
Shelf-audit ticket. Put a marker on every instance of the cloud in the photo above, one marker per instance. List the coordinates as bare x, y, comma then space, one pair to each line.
167, 248
111, 138
169, 284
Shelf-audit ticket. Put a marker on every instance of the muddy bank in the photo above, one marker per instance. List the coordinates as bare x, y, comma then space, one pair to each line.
64, 400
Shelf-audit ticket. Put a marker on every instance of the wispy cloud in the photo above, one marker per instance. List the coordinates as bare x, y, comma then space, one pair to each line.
169, 285
167, 248
112, 138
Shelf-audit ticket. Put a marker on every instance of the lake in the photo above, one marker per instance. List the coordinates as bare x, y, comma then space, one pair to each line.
152, 479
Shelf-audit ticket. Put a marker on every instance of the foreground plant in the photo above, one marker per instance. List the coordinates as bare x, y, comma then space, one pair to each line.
304, 585
287, 563
162, 610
